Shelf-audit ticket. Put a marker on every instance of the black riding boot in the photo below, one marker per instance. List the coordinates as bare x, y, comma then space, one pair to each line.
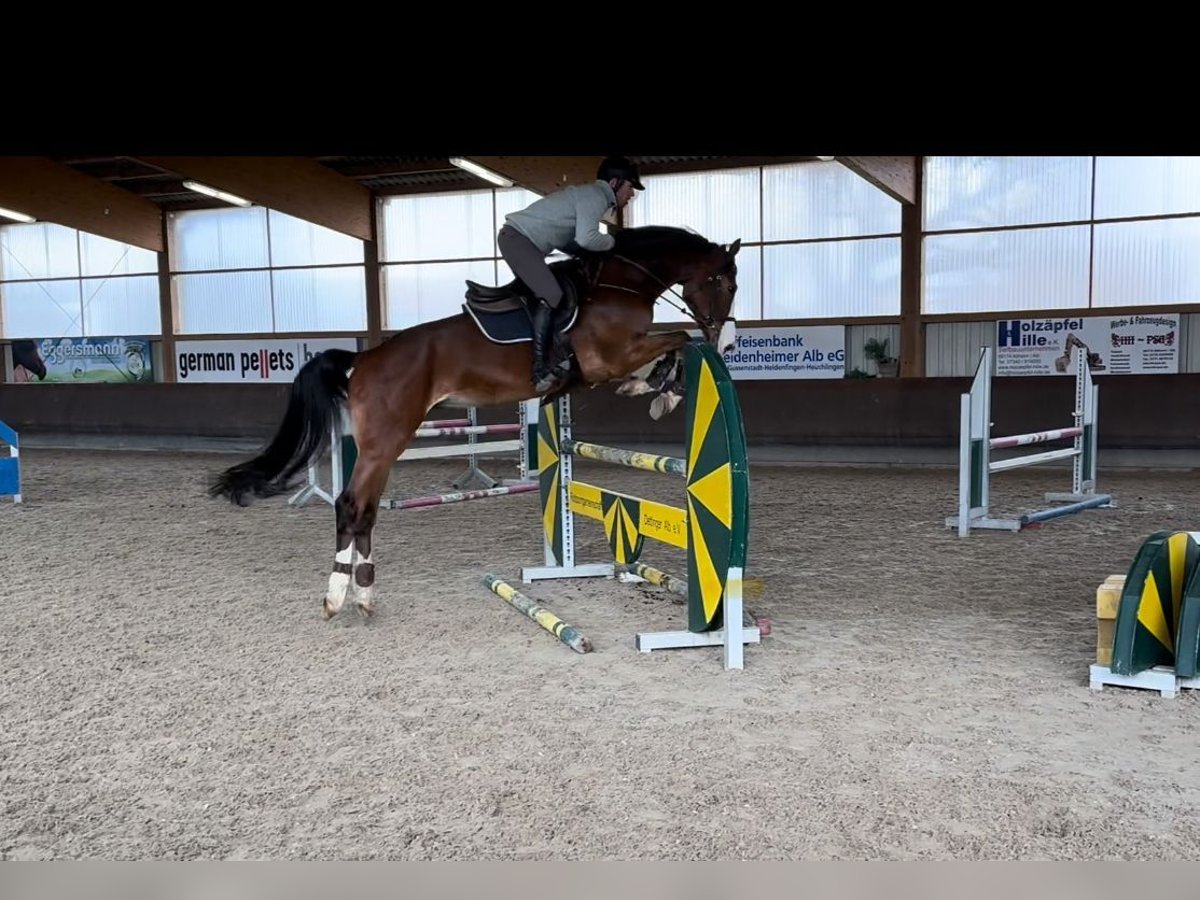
543, 315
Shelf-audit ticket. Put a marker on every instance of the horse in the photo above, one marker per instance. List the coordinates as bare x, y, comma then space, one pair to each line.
476, 358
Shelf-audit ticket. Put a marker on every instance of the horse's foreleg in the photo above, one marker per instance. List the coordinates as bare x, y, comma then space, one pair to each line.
656, 379
612, 362
636, 352
672, 388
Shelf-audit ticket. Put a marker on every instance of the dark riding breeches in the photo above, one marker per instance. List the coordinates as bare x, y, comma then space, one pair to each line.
529, 264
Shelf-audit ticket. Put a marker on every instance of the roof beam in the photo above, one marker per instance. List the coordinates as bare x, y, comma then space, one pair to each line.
717, 164
294, 185
118, 168
390, 168
56, 193
896, 176
543, 174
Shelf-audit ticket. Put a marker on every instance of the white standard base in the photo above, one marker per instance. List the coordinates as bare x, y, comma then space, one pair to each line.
530, 574
672, 640
1159, 678
310, 490
985, 522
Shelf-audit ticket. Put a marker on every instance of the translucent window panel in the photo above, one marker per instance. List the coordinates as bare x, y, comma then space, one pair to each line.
121, 306
503, 273
835, 279
984, 191
438, 226
295, 242
1146, 185
101, 256
820, 200
219, 239
423, 292
722, 206
38, 251
510, 200
1147, 262
320, 299
223, 303
41, 309
747, 302
1007, 271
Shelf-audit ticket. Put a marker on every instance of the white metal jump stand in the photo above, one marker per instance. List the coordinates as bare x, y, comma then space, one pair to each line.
975, 465
342, 449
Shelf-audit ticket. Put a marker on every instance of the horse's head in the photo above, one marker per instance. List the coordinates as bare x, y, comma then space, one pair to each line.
706, 270
708, 293
25, 353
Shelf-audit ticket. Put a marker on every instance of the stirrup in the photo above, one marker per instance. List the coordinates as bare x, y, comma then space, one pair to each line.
550, 376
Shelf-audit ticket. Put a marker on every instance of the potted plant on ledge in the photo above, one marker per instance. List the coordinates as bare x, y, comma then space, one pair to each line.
877, 349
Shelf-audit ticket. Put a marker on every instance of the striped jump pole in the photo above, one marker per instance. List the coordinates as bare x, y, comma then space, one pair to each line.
975, 465
568, 634
631, 458
671, 583
465, 430
1034, 437
458, 496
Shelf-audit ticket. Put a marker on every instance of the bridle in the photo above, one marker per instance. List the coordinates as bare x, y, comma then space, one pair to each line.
707, 322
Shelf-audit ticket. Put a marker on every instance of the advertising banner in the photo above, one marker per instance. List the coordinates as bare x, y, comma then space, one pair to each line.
788, 352
82, 360
267, 361
1114, 345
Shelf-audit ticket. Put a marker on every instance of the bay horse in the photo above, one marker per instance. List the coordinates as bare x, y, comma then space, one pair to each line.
602, 332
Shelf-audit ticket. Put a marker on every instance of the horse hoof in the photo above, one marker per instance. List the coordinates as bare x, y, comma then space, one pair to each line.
327, 611
634, 387
663, 404
366, 611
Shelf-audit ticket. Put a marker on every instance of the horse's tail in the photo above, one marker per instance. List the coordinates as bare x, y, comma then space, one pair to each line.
317, 394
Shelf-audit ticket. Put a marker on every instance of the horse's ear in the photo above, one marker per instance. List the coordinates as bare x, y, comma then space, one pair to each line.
734, 247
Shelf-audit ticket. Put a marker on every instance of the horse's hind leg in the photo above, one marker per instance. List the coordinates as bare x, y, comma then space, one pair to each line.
357, 507
375, 476
343, 561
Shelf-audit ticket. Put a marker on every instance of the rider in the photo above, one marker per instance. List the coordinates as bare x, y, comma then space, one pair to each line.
560, 221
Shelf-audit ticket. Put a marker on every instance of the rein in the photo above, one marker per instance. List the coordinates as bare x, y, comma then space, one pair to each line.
670, 288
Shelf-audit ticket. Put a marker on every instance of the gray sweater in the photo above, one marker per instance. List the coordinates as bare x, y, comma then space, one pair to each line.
570, 214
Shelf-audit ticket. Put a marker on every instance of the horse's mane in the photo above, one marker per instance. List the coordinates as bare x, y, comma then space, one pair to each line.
651, 241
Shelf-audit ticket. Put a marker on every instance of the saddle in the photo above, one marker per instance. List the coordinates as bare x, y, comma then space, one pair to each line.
503, 313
